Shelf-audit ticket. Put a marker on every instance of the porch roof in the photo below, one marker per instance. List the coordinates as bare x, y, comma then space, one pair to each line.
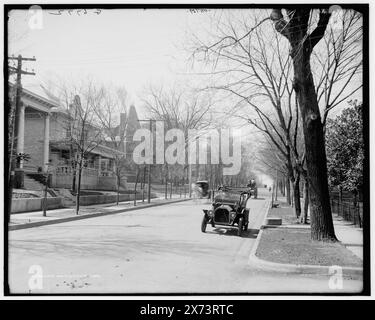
36, 101
99, 150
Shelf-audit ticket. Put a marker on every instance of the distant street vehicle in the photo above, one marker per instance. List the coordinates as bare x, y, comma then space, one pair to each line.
228, 209
201, 188
253, 188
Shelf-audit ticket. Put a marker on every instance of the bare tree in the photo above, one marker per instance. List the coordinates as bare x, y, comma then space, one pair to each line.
337, 61
178, 108
84, 133
260, 81
270, 160
111, 113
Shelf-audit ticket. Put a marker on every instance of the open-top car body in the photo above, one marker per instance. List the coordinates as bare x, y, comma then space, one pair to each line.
201, 189
228, 209
253, 188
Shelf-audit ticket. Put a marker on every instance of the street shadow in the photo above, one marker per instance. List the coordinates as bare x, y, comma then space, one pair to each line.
232, 232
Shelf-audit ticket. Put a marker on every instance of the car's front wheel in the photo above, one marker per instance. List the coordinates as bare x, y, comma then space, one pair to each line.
240, 227
204, 224
245, 227
212, 223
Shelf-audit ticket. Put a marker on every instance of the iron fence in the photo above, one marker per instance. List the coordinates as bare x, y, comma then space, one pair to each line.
349, 211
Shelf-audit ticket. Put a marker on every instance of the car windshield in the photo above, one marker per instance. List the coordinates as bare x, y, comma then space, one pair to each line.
202, 184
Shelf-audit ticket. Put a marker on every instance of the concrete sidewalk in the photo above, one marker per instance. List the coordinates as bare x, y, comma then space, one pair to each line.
351, 236
36, 219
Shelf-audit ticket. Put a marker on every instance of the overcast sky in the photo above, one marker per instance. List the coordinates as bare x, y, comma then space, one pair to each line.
130, 47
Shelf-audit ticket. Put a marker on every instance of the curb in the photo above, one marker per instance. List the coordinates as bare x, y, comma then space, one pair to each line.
275, 267
87, 216
284, 227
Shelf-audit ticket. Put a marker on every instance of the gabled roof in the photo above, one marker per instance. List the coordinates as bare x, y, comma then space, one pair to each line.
133, 122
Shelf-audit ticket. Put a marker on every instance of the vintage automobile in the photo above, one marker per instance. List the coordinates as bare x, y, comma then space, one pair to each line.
202, 189
228, 209
253, 188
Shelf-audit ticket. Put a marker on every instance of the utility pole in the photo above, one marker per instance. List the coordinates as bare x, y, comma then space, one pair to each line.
14, 114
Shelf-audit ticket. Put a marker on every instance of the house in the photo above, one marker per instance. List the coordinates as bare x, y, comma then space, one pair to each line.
44, 128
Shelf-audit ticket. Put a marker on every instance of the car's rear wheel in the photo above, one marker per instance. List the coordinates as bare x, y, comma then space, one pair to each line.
204, 224
240, 227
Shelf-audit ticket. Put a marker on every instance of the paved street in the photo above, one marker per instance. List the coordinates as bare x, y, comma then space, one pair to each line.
155, 250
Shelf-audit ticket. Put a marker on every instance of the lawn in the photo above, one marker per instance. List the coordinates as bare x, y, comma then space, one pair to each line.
294, 245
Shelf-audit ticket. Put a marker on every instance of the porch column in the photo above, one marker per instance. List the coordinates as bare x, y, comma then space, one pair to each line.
100, 165
46, 142
21, 132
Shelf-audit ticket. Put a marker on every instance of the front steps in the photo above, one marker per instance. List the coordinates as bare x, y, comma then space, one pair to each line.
31, 184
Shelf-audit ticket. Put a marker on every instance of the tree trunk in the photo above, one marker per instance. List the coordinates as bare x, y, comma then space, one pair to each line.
292, 195
179, 188
297, 196
341, 207
118, 189
135, 187
302, 42
143, 184
287, 185
276, 186
78, 194
282, 187
74, 167
166, 182
320, 208
306, 200
74, 174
